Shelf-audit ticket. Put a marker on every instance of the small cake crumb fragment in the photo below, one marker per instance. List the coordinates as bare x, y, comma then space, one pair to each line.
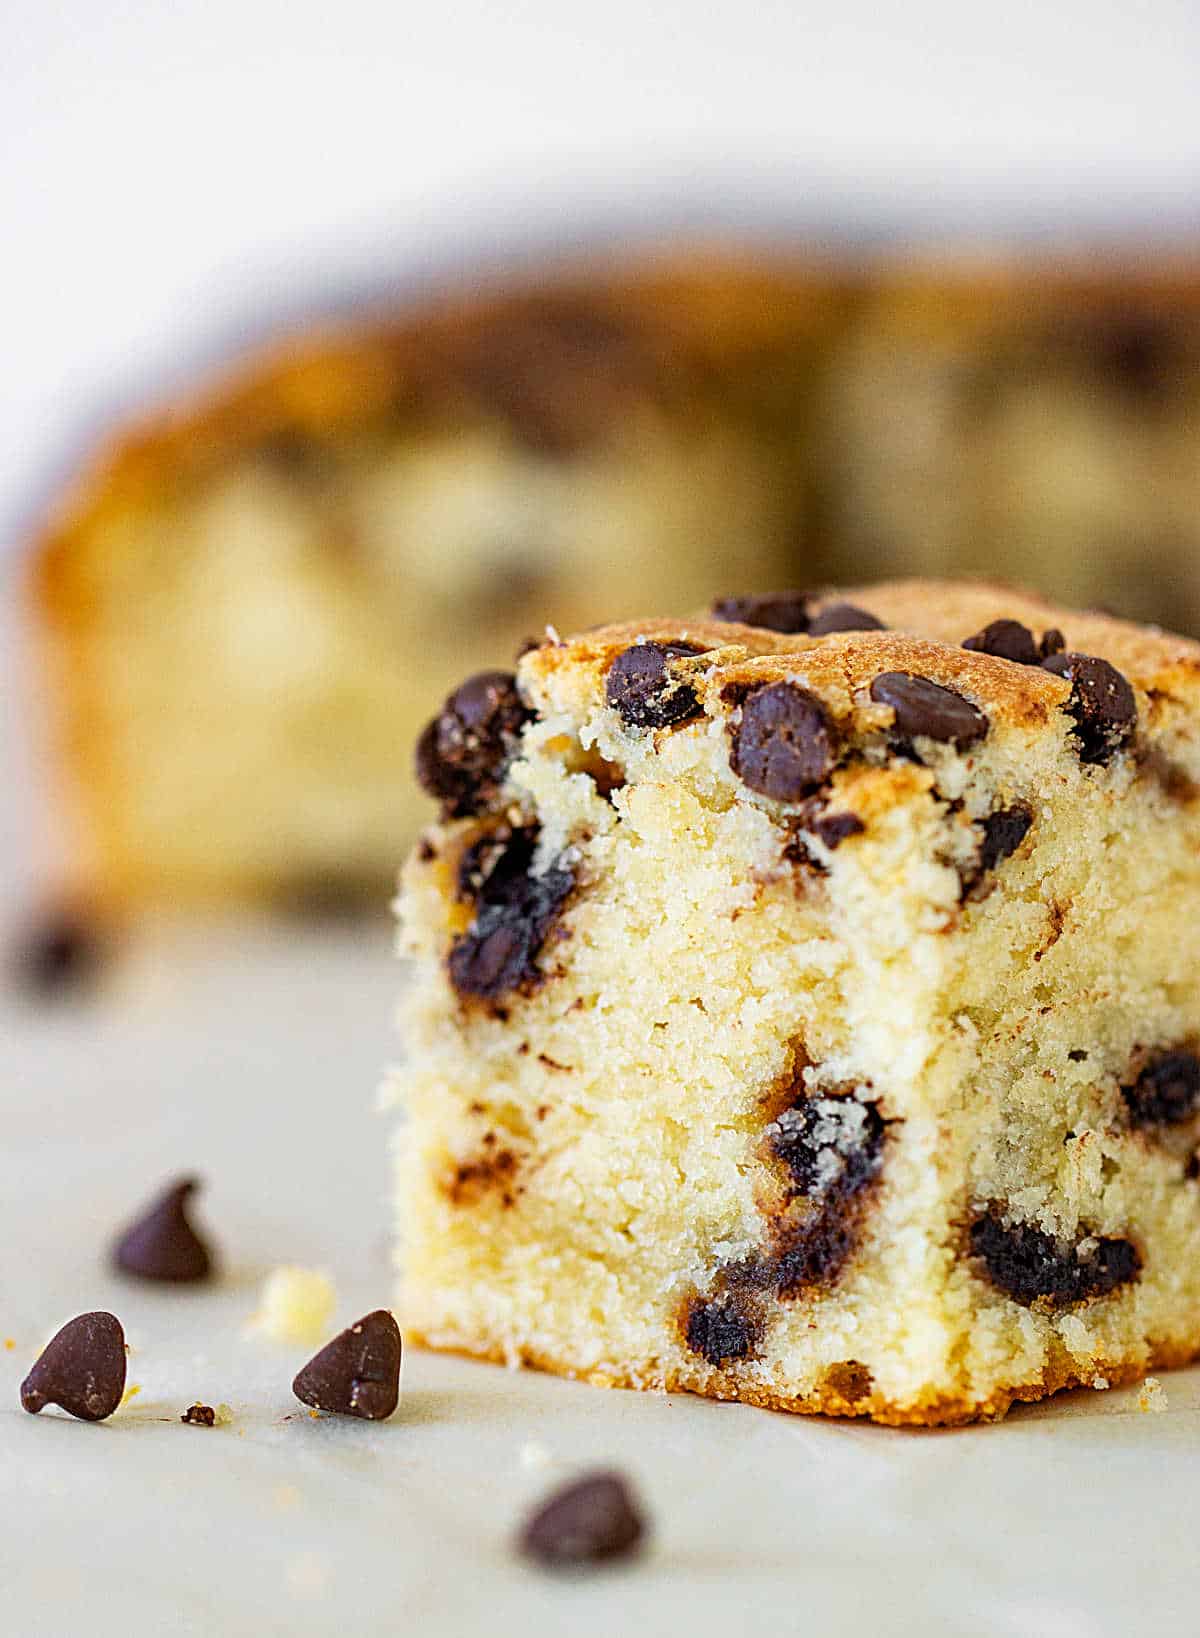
296, 1305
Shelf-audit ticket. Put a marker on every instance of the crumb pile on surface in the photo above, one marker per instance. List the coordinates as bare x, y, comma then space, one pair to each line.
804, 1006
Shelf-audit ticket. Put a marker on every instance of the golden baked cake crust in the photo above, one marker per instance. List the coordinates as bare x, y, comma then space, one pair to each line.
809, 1019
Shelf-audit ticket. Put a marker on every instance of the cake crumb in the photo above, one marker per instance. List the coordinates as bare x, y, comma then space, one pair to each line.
224, 1415
296, 1305
131, 1392
10, 1343
1152, 1400
286, 1496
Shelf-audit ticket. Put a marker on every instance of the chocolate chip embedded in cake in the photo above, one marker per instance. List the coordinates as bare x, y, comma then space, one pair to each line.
840, 1056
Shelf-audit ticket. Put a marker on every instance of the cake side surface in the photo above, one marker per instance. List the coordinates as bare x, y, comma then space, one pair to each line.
775, 1034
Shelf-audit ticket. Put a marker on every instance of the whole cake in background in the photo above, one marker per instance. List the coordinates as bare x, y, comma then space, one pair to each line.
253, 600
805, 1008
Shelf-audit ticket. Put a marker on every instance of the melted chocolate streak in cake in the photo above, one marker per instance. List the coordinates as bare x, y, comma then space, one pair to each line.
515, 911
809, 1248
1031, 1266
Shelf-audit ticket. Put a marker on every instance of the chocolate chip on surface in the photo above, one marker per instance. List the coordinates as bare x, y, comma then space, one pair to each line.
1029, 1265
515, 911
587, 1522
358, 1373
926, 709
721, 1329
81, 1369
843, 617
1006, 640
462, 754
783, 746
200, 1416
162, 1244
644, 692
785, 612
1166, 1092
59, 956
1101, 702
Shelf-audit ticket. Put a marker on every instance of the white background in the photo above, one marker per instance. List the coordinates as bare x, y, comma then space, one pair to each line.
177, 173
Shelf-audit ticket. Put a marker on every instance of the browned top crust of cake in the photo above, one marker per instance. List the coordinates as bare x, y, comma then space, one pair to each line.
926, 624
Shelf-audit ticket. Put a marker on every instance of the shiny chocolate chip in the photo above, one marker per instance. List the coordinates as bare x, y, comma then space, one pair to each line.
81, 1369
785, 612
463, 753
925, 709
358, 1373
783, 744
162, 1245
591, 1521
1101, 702
843, 617
644, 691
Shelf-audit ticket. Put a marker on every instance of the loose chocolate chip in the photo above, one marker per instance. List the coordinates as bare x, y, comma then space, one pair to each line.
358, 1373
60, 956
643, 691
783, 745
162, 1244
784, 611
829, 1144
843, 617
1053, 642
1003, 832
463, 752
1101, 702
926, 709
587, 1522
1166, 1092
81, 1369
722, 1329
199, 1416
1028, 1264
1007, 640
515, 912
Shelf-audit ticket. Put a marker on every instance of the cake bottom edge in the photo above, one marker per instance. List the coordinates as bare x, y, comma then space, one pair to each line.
934, 1409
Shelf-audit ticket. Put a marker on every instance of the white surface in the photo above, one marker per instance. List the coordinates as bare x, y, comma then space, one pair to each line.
250, 1054
175, 175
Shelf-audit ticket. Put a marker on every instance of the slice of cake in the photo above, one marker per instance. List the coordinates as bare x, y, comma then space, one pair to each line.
805, 1006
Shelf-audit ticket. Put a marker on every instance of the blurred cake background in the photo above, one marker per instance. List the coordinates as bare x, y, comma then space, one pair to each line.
346, 351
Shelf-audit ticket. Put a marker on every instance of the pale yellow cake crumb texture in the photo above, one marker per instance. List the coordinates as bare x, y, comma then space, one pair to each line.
1152, 1398
296, 1305
591, 1160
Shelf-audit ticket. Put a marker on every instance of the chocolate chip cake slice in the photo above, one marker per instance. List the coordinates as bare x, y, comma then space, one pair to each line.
805, 1006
